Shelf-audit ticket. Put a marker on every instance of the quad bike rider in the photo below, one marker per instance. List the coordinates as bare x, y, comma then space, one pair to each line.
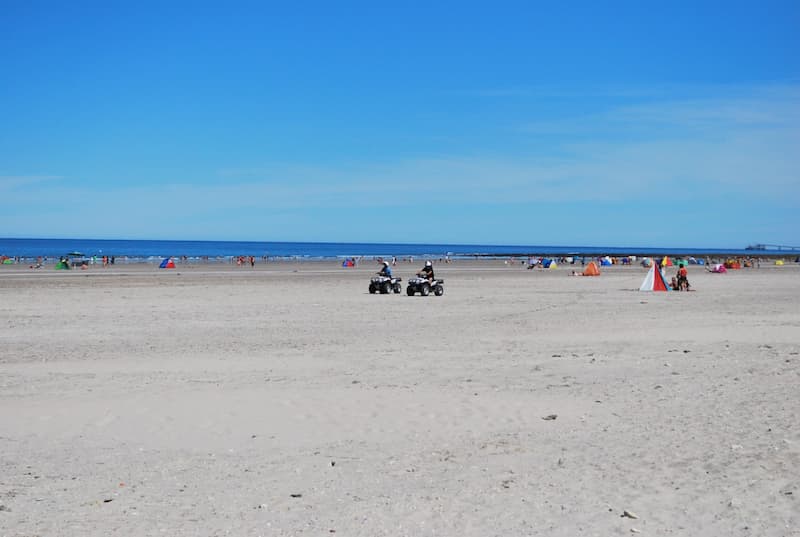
384, 282
424, 282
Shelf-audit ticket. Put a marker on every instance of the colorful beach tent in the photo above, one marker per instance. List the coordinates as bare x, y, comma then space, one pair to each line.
167, 263
591, 270
654, 281
62, 265
666, 262
779, 262
719, 269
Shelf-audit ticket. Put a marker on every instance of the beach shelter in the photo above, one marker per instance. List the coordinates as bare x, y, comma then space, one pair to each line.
167, 263
647, 262
62, 265
606, 261
779, 262
591, 270
553, 264
654, 281
682, 262
719, 269
666, 262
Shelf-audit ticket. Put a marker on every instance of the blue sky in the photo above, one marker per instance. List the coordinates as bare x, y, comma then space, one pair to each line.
547, 123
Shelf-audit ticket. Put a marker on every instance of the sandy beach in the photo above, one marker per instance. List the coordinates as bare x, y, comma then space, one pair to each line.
286, 400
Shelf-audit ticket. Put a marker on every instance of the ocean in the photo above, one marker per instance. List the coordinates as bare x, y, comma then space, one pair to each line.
149, 250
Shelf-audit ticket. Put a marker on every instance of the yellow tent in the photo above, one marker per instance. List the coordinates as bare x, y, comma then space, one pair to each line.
779, 262
553, 265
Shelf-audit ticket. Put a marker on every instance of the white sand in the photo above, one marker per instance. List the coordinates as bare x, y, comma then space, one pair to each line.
138, 401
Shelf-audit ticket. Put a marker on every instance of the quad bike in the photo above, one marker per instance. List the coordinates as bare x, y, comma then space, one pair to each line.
384, 285
423, 286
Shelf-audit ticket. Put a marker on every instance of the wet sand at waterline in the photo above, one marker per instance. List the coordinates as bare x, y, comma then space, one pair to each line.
287, 400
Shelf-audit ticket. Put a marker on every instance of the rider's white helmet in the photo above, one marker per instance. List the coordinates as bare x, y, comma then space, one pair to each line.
428, 263
386, 263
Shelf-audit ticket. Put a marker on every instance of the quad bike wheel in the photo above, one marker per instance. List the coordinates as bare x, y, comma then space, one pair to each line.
410, 291
438, 290
397, 288
426, 289
386, 289
372, 289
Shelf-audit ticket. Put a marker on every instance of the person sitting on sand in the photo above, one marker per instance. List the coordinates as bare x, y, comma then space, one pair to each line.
427, 271
385, 270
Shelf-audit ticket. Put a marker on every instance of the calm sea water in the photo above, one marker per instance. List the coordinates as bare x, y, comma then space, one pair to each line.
145, 249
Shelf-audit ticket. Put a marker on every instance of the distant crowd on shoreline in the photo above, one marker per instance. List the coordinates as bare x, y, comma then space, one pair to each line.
530, 262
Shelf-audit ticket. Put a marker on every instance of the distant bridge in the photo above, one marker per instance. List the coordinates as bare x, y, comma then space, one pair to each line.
778, 247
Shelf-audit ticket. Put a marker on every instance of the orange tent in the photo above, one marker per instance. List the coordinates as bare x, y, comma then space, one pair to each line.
591, 270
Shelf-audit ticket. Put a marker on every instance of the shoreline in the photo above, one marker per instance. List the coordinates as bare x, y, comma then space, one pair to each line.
403, 266
631, 258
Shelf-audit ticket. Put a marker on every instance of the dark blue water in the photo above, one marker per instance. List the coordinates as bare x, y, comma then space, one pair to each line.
144, 249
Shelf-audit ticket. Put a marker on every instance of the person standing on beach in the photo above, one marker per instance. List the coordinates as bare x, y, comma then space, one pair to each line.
683, 279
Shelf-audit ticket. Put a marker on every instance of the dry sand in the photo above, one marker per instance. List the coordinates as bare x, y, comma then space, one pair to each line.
286, 400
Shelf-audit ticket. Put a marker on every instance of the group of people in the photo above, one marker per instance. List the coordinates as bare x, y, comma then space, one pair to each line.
425, 272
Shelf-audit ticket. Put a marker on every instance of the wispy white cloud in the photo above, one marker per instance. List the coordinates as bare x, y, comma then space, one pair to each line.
773, 106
